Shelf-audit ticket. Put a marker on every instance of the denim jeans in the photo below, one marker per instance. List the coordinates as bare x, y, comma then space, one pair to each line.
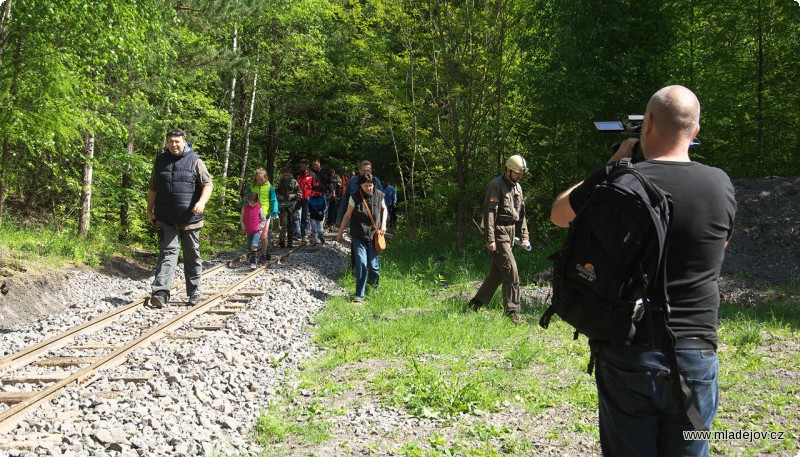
330, 213
170, 242
304, 226
367, 268
253, 239
638, 415
316, 229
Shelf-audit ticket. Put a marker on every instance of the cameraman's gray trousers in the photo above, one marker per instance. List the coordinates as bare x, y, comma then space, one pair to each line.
170, 242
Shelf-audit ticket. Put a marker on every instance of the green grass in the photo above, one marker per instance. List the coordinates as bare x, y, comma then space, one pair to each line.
441, 361
413, 346
52, 246
23, 245
759, 365
279, 422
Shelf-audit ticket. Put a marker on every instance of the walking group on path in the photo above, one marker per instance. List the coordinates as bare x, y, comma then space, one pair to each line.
302, 204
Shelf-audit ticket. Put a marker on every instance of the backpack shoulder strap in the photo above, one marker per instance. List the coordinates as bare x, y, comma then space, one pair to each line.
367, 204
663, 202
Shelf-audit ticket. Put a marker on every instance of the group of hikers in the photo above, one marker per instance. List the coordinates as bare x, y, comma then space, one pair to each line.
303, 204
646, 401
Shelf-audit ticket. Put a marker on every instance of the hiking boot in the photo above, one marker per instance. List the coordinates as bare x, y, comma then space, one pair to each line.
475, 305
264, 257
291, 244
194, 299
282, 244
321, 239
158, 300
516, 318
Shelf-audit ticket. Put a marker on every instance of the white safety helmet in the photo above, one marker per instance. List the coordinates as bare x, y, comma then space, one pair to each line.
517, 163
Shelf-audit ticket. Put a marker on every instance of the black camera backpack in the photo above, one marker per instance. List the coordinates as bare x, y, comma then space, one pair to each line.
611, 271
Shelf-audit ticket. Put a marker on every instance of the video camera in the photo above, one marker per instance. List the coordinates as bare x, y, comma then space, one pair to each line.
630, 125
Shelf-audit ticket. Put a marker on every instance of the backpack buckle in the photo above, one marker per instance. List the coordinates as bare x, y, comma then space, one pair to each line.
638, 310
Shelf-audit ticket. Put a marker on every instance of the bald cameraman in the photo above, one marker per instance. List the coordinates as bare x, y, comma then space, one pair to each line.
638, 415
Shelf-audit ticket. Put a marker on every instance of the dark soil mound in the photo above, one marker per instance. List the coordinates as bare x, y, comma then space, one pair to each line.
766, 239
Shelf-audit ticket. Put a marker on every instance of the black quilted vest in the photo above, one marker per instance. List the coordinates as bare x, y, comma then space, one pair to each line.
177, 187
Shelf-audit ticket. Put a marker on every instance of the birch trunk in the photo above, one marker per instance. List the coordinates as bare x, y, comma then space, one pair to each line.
228, 134
5, 21
247, 126
86, 191
272, 139
127, 184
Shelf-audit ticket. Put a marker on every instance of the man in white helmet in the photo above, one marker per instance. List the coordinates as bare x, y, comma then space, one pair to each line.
504, 219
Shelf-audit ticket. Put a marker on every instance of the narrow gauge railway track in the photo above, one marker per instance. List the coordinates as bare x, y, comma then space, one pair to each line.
105, 352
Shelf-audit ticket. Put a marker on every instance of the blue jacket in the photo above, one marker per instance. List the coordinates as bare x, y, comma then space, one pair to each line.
390, 195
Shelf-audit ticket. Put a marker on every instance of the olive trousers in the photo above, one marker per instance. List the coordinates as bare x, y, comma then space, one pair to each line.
503, 271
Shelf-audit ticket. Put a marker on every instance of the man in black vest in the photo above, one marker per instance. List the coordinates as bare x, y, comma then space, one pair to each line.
179, 189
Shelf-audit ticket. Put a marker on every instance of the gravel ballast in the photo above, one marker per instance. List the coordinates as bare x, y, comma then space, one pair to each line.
205, 393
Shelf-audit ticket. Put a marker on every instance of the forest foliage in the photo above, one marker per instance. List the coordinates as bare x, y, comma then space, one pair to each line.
435, 93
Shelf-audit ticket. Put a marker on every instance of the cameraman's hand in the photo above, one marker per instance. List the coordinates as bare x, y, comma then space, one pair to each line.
625, 150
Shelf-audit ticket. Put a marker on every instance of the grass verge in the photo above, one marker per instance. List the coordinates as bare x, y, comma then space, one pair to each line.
453, 382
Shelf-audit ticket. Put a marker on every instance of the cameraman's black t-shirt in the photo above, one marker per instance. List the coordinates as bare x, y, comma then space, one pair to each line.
704, 210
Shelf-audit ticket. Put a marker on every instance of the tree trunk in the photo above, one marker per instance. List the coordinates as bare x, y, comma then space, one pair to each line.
272, 139
12, 94
4, 22
127, 184
86, 191
229, 133
248, 123
3, 175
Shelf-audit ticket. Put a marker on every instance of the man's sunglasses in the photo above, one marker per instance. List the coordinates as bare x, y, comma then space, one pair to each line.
175, 133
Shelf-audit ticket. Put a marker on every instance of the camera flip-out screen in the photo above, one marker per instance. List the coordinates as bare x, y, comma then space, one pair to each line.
609, 126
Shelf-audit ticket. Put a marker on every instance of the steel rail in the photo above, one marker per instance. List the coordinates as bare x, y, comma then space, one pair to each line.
31, 353
11, 417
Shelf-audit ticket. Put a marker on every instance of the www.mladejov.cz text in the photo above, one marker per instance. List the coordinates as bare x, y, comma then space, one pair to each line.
732, 435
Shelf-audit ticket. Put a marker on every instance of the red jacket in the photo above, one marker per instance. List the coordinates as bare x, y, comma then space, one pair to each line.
306, 182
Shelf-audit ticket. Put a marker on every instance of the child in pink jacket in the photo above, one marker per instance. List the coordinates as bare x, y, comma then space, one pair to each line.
253, 220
